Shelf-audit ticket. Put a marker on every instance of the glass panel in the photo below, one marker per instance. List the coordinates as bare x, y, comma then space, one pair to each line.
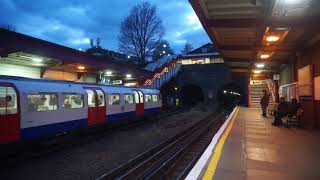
91, 98
128, 98
136, 97
8, 101
141, 96
154, 97
148, 98
11, 99
72, 101
43, 102
114, 99
100, 98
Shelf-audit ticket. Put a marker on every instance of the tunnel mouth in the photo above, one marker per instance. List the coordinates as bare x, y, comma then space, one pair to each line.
230, 95
191, 95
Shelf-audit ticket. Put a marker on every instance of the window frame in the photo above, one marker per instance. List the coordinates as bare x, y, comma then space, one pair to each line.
109, 99
16, 98
70, 94
152, 95
145, 98
44, 93
124, 97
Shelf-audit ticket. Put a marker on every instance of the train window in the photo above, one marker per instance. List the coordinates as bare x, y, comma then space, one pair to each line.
128, 98
148, 98
154, 97
100, 98
8, 101
72, 101
42, 102
114, 99
136, 97
91, 98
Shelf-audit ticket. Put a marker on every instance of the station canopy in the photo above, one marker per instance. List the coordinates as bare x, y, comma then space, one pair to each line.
248, 33
20, 49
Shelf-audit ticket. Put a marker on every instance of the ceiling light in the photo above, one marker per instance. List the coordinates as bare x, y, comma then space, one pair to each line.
37, 60
260, 65
109, 73
81, 67
272, 38
129, 57
128, 76
163, 52
164, 45
257, 71
264, 56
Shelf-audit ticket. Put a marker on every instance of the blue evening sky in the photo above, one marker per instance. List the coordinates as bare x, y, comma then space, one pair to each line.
72, 22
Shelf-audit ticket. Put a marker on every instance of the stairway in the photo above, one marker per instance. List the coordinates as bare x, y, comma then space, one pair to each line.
256, 93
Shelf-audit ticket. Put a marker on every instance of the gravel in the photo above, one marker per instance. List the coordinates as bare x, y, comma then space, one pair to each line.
90, 160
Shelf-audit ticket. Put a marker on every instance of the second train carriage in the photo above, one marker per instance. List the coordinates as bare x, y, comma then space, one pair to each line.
31, 108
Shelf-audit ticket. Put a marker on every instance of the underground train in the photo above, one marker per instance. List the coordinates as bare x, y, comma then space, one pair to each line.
34, 108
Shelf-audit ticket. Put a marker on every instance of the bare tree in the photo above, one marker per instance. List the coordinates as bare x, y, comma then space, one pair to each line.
141, 31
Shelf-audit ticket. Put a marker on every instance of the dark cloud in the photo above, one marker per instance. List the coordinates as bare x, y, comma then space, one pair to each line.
73, 22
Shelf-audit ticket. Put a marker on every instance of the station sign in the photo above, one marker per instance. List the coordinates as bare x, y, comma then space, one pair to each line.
117, 82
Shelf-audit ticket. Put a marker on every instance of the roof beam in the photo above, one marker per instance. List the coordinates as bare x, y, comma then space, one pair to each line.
254, 22
271, 48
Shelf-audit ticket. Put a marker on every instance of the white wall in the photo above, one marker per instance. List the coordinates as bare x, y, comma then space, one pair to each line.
22, 71
60, 75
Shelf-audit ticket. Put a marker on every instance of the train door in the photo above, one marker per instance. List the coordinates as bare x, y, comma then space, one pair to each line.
138, 96
9, 114
96, 106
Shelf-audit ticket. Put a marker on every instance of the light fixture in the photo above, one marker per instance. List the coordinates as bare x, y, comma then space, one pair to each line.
272, 38
164, 45
224, 91
169, 54
264, 56
163, 52
260, 65
256, 71
175, 88
109, 73
38, 60
81, 67
129, 57
128, 75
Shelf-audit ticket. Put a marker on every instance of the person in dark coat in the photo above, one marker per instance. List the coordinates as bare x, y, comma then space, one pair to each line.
264, 103
293, 106
282, 111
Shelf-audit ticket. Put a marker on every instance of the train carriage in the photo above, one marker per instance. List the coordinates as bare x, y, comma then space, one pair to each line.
31, 108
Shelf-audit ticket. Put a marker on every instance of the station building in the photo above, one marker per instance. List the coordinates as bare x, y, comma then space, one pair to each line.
275, 44
25, 56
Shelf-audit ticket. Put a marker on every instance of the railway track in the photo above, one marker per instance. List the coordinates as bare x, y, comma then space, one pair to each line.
173, 158
24, 152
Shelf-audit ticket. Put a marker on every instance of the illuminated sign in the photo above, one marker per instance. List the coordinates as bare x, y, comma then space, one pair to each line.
117, 82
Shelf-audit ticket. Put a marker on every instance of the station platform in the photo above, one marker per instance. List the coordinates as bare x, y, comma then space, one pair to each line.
251, 148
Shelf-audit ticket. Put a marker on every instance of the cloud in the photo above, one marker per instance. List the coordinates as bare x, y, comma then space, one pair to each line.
73, 22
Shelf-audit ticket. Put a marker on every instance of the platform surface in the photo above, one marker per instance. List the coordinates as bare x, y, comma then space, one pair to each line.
254, 149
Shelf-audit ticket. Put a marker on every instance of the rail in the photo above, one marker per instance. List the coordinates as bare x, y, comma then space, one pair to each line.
166, 159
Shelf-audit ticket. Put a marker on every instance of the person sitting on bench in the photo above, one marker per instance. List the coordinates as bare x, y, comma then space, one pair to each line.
293, 106
281, 112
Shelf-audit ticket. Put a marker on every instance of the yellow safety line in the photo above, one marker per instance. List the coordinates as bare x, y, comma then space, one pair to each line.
209, 173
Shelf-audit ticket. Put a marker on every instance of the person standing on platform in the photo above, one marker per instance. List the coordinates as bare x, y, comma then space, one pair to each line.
264, 103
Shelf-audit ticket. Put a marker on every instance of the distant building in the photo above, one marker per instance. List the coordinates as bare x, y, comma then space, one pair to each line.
205, 54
